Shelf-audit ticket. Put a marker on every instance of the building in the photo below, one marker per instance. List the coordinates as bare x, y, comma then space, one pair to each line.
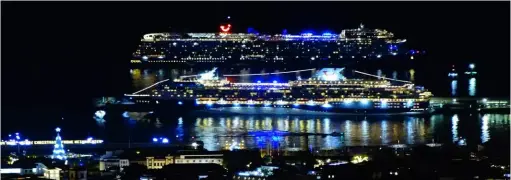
28, 169
77, 174
159, 162
114, 161
52, 173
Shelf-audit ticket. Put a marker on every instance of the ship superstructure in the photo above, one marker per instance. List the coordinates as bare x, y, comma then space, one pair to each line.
192, 48
327, 90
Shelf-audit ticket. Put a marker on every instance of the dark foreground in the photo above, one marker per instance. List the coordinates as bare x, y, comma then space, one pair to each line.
487, 161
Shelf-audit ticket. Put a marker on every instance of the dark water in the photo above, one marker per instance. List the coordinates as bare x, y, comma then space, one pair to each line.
217, 130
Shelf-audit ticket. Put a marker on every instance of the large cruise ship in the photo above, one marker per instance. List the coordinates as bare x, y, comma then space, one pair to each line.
225, 47
328, 90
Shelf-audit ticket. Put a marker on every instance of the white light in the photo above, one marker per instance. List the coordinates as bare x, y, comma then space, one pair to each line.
364, 101
326, 105
165, 140
485, 100
10, 171
194, 144
472, 66
100, 114
57, 129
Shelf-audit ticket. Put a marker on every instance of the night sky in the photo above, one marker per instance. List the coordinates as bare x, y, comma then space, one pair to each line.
60, 55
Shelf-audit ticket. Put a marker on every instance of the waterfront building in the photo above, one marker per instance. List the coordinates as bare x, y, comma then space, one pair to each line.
117, 159
158, 162
28, 169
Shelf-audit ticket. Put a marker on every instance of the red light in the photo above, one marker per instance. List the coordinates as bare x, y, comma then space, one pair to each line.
225, 29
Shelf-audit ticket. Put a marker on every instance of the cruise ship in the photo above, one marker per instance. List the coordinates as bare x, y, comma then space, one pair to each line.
225, 47
328, 90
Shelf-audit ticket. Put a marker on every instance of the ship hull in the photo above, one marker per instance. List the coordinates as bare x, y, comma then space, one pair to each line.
184, 105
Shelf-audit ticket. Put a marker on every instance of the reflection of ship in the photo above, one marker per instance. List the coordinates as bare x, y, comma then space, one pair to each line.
286, 133
328, 91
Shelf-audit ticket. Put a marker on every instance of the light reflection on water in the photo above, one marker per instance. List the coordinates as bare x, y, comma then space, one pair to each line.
454, 130
213, 131
217, 132
472, 87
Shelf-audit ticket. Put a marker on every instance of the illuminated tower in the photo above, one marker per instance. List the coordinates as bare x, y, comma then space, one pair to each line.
58, 150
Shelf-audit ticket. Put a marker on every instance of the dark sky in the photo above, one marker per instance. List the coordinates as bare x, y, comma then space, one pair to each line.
56, 54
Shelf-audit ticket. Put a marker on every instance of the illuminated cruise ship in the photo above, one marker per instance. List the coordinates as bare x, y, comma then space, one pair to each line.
327, 91
225, 47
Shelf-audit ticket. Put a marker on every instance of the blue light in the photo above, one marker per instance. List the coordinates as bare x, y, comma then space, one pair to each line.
17, 134
236, 104
409, 103
243, 174
89, 139
326, 105
284, 32
180, 102
311, 103
155, 139
275, 138
267, 104
17, 137
165, 141
327, 33
472, 66
384, 104
307, 33
275, 81
364, 101
10, 135
348, 101
125, 114
296, 104
250, 30
258, 81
